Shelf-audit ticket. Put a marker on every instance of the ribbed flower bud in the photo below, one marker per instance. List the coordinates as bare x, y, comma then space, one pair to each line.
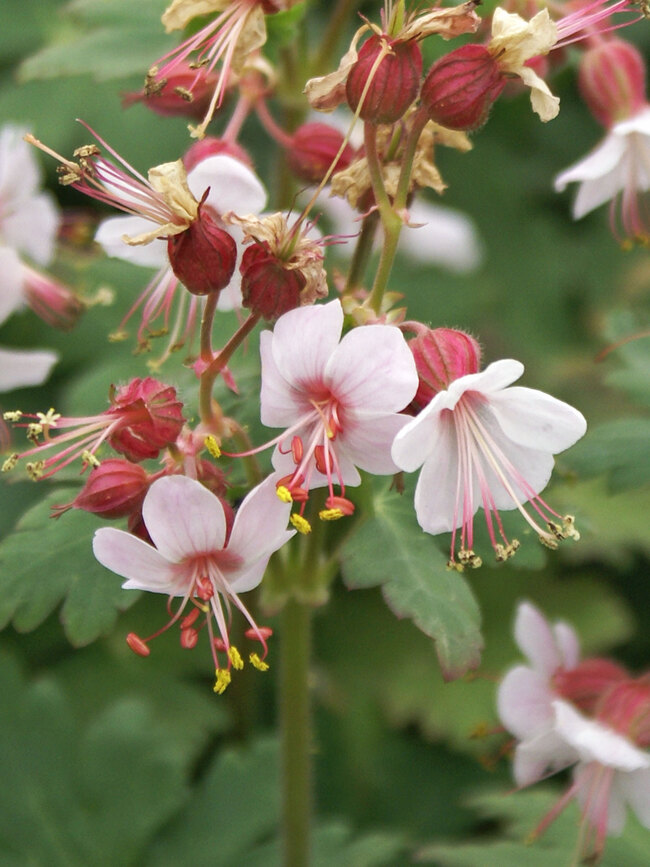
184, 91
586, 683
203, 257
313, 149
460, 88
441, 356
151, 418
626, 709
394, 83
268, 287
612, 81
114, 489
210, 146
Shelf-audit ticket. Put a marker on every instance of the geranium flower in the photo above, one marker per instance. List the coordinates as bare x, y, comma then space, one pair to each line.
194, 558
339, 400
481, 443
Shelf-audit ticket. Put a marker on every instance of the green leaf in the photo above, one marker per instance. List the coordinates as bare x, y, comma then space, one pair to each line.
75, 795
620, 448
46, 562
517, 814
390, 549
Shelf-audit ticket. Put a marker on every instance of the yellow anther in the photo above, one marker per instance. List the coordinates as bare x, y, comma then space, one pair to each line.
117, 336
548, 542
454, 566
89, 150
284, 494
12, 415
222, 681
235, 657
35, 469
468, 558
49, 418
569, 528
258, 663
505, 552
301, 524
34, 431
212, 446
90, 459
330, 514
10, 463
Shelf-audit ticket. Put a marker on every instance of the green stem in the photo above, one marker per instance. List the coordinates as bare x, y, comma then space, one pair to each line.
362, 252
296, 732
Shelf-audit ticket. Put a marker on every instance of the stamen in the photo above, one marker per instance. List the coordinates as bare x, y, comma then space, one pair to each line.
212, 446
137, 644
235, 657
258, 663
330, 514
301, 524
222, 681
284, 494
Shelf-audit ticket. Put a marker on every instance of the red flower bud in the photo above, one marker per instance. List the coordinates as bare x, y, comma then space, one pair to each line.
211, 147
268, 287
441, 356
394, 84
150, 416
313, 149
585, 684
184, 92
460, 88
203, 257
612, 81
626, 709
114, 489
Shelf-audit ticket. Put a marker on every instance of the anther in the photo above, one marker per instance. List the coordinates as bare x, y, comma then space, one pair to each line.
35, 469
12, 415
137, 645
212, 446
222, 681
341, 503
467, 557
297, 450
235, 657
10, 463
189, 638
330, 514
258, 663
301, 524
190, 619
89, 459
260, 634
204, 589
284, 494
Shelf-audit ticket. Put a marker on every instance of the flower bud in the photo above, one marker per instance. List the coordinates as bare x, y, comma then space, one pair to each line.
114, 489
394, 84
585, 684
313, 149
441, 356
51, 300
626, 709
268, 287
150, 418
460, 88
612, 81
212, 147
203, 257
184, 92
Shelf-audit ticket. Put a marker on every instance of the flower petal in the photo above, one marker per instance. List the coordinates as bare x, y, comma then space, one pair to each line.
441, 236
540, 755
281, 405
635, 788
31, 227
303, 341
372, 369
20, 368
436, 490
595, 742
524, 702
536, 420
132, 558
568, 644
367, 440
110, 235
11, 282
183, 518
233, 186
536, 639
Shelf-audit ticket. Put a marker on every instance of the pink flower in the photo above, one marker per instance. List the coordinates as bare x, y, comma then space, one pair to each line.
482, 443
193, 557
339, 400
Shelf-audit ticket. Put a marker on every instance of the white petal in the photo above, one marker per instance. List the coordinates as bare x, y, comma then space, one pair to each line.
494, 378
132, 558
536, 420
598, 163
372, 369
599, 797
183, 518
535, 638
21, 367
19, 171
260, 528
233, 186
303, 341
32, 227
543, 754
524, 703
441, 236
635, 788
280, 404
110, 235
417, 439
568, 644
436, 491
11, 282
367, 441
595, 742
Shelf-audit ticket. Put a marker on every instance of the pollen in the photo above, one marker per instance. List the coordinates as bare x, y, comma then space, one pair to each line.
34, 430
467, 557
89, 459
284, 494
301, 524
12, 415
10, 463
212, 446
35, 469
330, 514
258, 663
49, 418
222, 681
235, 657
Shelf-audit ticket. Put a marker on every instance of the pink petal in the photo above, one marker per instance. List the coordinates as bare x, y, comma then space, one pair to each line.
281, 404
598, 795
441, 236
373, 369
536, 420
494, 378
31, 228
20, 368
568, 644
367, 441
524, 703
233, 186
11, 282
183, 518
536, 639
110, 235
635, 788
436, 491
543, 754
419, 436
132, 558
595, 742
303, 341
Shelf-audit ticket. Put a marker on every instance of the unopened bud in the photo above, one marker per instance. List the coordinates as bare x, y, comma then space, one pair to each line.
114, 489
151, 418
461, 87
391, 87
441, 356
184, 92
268, 287
203, 257
313, 149
212, 147
612, 81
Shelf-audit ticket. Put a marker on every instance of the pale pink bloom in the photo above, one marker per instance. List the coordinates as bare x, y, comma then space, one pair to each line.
483, 443
194, 558
526, 694
339, 400
617, 171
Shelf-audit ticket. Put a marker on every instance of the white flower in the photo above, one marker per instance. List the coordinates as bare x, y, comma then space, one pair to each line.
618, 171
482, 443
193, 557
